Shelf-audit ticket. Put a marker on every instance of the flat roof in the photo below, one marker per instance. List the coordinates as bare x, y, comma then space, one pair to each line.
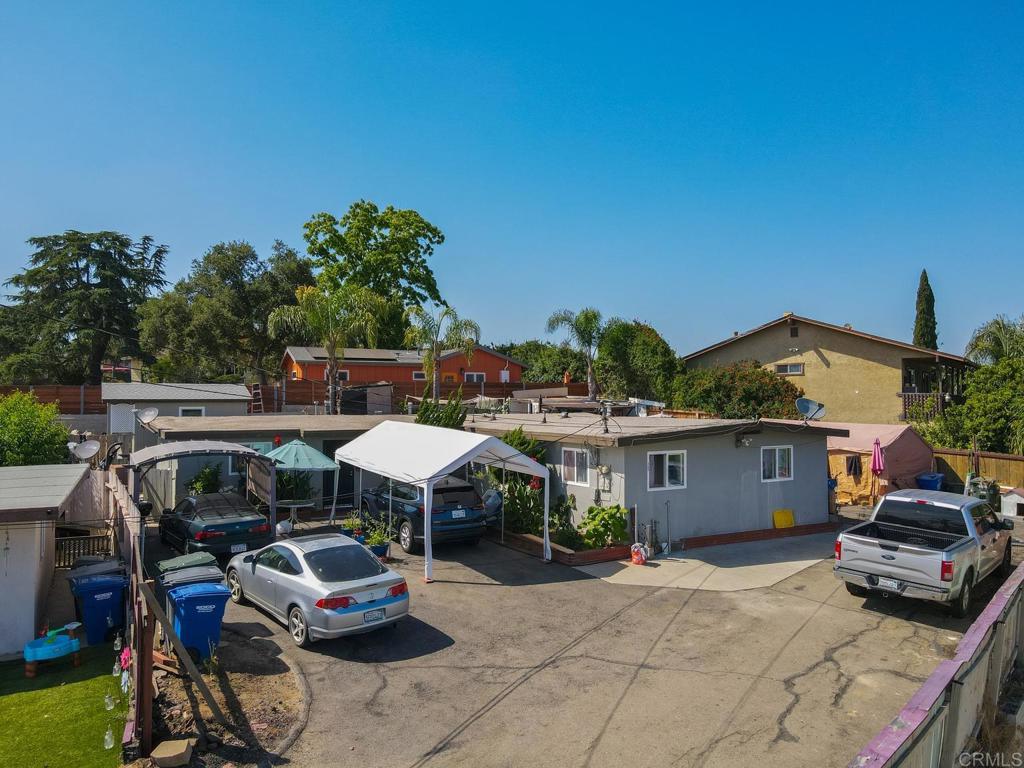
141, 391
265, 424
630, 430
40, 489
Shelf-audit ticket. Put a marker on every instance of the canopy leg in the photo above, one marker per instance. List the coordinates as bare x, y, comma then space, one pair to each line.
428, 523
334, 500
547, 509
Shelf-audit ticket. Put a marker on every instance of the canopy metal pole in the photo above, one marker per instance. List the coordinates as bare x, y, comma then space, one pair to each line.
273, 500
547, 505
358, 500
334, 499
428, 523
390, 500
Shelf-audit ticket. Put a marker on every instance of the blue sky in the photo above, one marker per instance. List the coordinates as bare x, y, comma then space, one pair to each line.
703, 170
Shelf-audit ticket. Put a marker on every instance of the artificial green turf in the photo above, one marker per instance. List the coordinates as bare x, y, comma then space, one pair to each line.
58, 718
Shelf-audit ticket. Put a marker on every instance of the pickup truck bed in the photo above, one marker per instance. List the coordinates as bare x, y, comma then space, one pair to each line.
900, 534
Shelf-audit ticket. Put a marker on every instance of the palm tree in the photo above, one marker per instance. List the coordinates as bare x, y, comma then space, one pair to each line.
332, 318
434, 334
996, 339
584, 329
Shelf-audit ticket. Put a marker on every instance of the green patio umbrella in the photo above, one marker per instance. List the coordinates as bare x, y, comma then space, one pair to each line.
298, 456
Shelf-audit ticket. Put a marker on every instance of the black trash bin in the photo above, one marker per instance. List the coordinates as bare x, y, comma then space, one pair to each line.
201, 574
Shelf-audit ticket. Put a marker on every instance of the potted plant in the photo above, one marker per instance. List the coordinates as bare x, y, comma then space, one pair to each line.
350, 525
378, 539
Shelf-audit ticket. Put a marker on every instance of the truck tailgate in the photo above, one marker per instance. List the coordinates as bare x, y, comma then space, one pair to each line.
904, 562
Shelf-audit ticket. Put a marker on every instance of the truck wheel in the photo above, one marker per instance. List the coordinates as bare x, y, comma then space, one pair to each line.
962, 606
1006, 568
856, 589
407, 539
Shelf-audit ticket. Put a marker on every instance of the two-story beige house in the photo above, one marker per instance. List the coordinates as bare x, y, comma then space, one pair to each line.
860, 377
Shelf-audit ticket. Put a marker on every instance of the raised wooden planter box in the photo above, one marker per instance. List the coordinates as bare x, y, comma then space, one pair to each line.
695, 542
534, 545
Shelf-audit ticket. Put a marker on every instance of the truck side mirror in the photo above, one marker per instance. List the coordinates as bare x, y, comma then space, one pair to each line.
1007, 524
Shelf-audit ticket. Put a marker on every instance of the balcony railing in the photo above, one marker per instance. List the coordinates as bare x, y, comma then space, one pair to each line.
926, 405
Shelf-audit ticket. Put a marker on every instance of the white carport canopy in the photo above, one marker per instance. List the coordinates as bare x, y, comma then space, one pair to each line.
421, 455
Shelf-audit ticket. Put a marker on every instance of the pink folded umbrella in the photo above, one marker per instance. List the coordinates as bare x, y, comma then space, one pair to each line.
877, 460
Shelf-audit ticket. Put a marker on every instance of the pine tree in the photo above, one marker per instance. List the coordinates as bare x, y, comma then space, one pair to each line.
925, 333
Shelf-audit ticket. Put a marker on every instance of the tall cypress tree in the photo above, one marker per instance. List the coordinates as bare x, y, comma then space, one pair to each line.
925, 333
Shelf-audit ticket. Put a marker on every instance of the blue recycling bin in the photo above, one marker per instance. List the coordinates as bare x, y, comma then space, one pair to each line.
100, 600
198, 612
931, 481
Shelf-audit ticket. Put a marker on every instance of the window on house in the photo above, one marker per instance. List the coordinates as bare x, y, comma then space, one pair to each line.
575, 466
295, 375
419, 376
474, 377
776, 463
794, 332
665, 470
198, 410
448, 378
342, 375
236, 465
790, 369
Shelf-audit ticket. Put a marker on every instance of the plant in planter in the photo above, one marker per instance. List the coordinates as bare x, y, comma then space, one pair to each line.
378, 538
604, 526
206, 480
351, 524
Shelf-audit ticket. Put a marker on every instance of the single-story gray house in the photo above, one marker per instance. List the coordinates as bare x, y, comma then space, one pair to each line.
32, 501
126, 400
701, 480
164, 486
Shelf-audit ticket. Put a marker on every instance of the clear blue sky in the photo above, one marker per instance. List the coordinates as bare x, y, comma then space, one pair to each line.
700, 170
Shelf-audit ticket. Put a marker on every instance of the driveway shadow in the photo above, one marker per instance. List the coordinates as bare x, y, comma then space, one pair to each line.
409, 638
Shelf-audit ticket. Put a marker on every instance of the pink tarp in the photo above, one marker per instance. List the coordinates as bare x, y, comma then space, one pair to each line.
906, 455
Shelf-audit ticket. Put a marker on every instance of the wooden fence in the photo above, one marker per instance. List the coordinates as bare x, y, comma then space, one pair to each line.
70, 548
70, 398
1005, 468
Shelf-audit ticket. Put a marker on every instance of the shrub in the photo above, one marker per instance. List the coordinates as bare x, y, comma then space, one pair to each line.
30, 432
206, 480
604, 525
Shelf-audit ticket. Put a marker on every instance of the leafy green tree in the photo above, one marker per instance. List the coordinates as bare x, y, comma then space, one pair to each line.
386, 251
925, 333
633, 360
78, 299
30, 432
584, 330
331, 319
546, 362
998, 338
433, 334
992, 411
742, 390
451, 414
214, 323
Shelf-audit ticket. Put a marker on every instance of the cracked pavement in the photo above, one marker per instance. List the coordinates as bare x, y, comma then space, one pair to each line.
507, 661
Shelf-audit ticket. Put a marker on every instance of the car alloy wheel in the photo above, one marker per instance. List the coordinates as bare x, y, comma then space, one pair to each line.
236, 587
297, 628
405, 538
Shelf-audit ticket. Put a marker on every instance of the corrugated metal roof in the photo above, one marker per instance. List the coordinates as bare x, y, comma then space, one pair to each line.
44, 487
142, 391
268, 425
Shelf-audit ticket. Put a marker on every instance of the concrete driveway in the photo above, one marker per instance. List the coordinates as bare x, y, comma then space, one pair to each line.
507, 661
725, 568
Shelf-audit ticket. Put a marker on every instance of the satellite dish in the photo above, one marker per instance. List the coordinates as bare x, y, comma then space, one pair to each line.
85, 451
811, 410
146, 415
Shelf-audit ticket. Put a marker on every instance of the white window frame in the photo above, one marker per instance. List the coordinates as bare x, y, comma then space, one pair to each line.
268, 445
481, 380
342, 374
295, 375
200, 408
667, 486
575, 467
419, 375
776, 448
788, 366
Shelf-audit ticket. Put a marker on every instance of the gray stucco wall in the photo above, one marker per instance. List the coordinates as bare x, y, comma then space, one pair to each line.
144, 438
724, 492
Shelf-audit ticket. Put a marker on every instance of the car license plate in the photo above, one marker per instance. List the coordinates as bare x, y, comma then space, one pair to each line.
371, 616
236, 548
458, 514
888, 583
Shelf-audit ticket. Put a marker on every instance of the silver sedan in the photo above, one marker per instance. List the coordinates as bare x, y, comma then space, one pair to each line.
319, 586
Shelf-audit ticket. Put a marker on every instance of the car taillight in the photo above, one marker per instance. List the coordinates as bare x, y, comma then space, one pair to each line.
947, 570
331, 603
264, 528
419, 509
204, 535
839, 549
398, 589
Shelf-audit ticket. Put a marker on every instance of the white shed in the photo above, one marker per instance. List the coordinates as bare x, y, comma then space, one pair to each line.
1013, 502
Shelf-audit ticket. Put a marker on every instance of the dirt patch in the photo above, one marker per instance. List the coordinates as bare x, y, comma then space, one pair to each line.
256, 690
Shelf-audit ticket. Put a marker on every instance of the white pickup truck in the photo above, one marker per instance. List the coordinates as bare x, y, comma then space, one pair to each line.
924, 544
